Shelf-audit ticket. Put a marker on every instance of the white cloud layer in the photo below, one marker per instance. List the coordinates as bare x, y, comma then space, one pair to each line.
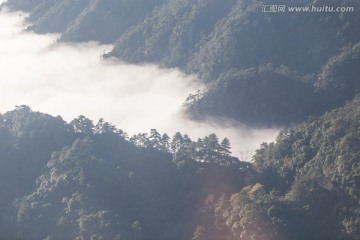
70, 80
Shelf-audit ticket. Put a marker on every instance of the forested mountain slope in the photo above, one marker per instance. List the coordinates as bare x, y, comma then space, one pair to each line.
88, 181
267, 95
307, 185
84, 20
218, 40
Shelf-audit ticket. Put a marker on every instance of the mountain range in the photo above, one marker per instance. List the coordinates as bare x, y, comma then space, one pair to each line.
295, 70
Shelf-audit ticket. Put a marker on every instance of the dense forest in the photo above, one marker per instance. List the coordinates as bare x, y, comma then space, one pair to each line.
81, 180
90, 180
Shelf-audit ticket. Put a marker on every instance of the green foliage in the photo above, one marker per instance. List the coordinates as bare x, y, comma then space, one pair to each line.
315, 167
172, 32
107, 20
306, 185
339, 77
258, 96
207, 149
87, 181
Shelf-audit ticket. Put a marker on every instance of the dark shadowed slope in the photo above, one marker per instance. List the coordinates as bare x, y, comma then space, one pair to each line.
85, 180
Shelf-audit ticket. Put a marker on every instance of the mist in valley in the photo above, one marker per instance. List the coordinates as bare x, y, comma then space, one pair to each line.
73, 79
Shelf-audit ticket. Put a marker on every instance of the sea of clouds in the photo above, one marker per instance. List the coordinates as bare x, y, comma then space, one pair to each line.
73, 79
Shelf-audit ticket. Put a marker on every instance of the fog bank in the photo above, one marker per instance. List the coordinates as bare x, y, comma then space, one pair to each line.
71, 80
